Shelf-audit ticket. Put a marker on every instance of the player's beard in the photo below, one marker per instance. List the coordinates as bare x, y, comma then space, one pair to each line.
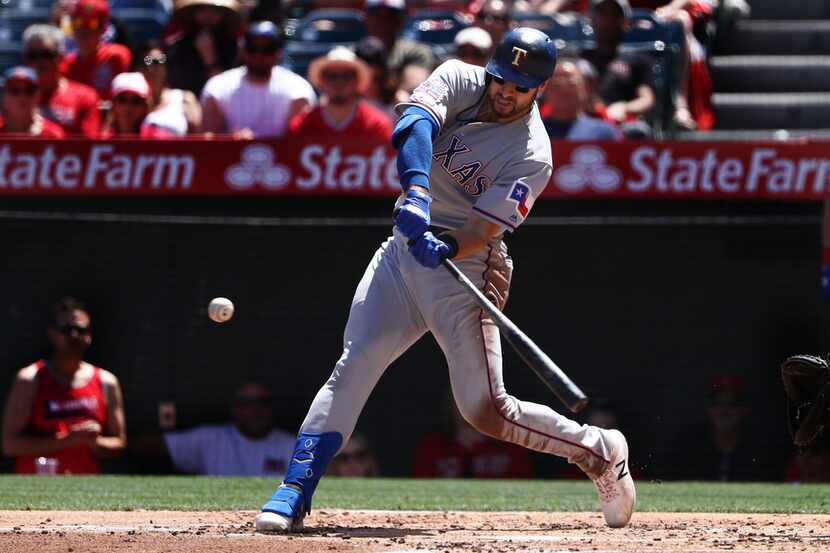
488, 111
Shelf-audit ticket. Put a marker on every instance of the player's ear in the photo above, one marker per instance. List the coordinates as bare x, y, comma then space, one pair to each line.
543, 86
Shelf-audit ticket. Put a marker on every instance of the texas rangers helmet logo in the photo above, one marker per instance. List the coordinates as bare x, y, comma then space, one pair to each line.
518, 55
587, 170
258, 167
520, 194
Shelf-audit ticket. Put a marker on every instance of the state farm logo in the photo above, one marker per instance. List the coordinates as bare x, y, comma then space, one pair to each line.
257, 167
587, 170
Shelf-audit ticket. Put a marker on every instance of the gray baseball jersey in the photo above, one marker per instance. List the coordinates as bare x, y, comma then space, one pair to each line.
495, 170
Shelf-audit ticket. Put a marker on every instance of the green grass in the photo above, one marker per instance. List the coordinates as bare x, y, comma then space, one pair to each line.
204, 494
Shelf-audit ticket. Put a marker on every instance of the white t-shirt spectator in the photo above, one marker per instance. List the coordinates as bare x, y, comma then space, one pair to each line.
261, 107
221, 450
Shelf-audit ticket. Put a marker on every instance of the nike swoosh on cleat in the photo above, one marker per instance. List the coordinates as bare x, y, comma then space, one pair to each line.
621, 466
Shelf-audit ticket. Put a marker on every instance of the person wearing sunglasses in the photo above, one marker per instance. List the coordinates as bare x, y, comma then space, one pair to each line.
473, 157
63, 414
70, 104
249, 445
258, 99
494, 17
130, 105
95, 63
176, 112
19, 113
342, 79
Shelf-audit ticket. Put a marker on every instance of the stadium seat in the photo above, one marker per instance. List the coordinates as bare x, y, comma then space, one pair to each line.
433, 27
9, 55
569, 32
330, 26
318, 32
143, 23
15, 20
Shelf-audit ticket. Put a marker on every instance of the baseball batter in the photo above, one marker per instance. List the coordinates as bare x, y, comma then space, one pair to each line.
473, 155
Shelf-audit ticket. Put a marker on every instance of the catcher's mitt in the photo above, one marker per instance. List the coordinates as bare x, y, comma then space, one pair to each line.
807, 384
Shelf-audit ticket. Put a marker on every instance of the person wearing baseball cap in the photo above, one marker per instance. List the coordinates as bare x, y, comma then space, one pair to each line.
625, 79
130, 105
95, 63
258, 99
473, 45
19, 113
342, 79
385, 20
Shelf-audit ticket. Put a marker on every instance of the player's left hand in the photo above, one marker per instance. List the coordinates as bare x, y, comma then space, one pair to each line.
431, 251
412, 218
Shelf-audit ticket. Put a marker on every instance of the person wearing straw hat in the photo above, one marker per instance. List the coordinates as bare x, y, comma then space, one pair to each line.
342, 80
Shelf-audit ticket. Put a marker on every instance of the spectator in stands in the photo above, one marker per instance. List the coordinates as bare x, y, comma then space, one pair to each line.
204, 43
356, 460
693, 101
176, 112
565, 100
385, 20
130, 105
257, 100
626, 79
19, 113
460, 451
550, 7
70, 104
473, 45
372, 51
410, 77
63, 414
342, 79
249, 445
95, 63
723, 450
494, 17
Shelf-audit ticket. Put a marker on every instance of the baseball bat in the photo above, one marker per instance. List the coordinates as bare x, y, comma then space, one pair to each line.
553, 377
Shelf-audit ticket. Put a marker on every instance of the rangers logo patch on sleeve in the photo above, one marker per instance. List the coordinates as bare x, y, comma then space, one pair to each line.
430, 92
520, 193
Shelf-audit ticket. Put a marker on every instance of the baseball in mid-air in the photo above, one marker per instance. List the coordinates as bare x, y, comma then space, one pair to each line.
220, 309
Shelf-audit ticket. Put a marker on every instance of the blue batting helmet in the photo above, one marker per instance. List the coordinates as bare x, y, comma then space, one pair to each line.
525, 56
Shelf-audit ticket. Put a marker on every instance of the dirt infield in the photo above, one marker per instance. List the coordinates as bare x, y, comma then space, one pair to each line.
338, 531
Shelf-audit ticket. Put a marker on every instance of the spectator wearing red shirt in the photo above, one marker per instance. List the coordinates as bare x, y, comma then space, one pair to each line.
462, 452
63, 414
72, 105
19, 110
130, 105
95, 63
342, 79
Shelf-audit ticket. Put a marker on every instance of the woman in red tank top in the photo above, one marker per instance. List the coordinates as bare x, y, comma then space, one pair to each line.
63, 415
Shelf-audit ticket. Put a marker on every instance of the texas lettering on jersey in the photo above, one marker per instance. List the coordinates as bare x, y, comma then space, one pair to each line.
464, 174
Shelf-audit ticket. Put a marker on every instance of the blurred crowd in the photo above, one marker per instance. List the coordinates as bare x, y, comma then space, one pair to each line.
267, 69
64, 415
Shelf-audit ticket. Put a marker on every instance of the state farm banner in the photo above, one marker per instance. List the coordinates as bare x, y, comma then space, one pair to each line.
691, 170
196, 167
325, 166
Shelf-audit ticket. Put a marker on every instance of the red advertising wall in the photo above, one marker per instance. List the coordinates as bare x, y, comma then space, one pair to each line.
321, 166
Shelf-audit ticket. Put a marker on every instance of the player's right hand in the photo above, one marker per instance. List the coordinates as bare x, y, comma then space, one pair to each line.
412, 218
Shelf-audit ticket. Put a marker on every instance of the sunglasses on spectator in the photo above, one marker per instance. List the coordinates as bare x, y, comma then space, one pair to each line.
339, 75
354, 455
150, 61
130, 99
21, 90
34, 55
267, 50
68, 329
520, 89
253, 401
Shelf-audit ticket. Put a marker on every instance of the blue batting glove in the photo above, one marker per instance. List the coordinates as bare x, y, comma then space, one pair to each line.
431, 251
412, 218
